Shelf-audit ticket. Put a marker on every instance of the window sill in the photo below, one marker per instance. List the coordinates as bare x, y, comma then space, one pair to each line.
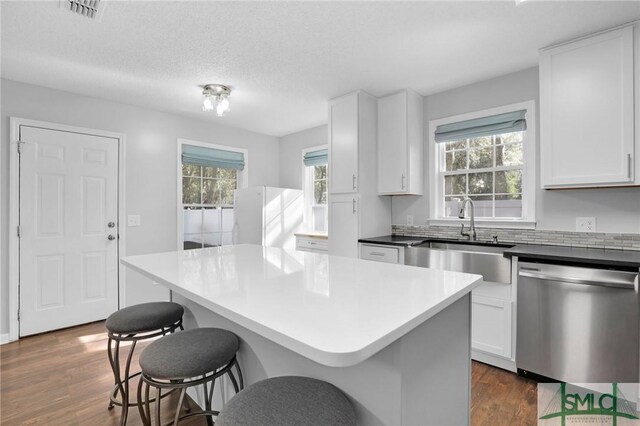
486, 223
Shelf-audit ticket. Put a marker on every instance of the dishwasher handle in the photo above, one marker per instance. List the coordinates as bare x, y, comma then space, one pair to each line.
601, 282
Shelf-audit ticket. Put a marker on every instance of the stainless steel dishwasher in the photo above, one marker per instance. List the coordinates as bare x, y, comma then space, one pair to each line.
577, 324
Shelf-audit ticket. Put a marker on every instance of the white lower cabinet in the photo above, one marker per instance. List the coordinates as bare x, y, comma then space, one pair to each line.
344, 225
382, 253
492, 320
492, 325
312, 243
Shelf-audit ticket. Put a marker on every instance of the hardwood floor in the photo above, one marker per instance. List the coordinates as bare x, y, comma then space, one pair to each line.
64, 378
500, 397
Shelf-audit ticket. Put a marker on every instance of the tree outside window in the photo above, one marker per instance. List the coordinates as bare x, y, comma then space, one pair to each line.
319, 205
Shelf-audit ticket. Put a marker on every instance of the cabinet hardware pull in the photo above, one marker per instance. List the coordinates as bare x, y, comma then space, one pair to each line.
629, 166
403, 178
353, 182
376, 253
354, 205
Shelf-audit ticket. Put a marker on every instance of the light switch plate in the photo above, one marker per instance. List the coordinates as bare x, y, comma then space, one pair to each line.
585, 224
133, 220
409, 220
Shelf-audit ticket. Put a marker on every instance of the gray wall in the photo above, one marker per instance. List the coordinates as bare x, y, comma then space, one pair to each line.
617, 210
151, 139
291, 147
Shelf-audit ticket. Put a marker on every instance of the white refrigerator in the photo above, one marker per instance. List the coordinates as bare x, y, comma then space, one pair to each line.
267, 216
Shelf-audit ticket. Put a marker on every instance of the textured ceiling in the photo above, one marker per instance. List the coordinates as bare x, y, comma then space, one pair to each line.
284, 59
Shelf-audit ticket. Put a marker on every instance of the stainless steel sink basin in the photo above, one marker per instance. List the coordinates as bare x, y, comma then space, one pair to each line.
476, 248
479, 258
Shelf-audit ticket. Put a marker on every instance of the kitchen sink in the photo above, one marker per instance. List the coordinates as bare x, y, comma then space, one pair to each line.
473, 246
473, 257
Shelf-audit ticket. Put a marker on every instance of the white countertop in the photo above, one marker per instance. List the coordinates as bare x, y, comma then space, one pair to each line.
319, 235
337, 311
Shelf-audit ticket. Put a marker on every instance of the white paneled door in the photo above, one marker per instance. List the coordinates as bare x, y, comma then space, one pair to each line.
68, 229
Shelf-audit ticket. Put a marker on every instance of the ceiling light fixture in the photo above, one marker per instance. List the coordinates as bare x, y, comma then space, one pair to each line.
216, 96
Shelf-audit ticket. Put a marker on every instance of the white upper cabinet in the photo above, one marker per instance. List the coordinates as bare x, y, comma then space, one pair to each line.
343, 144
400, 146
587, 111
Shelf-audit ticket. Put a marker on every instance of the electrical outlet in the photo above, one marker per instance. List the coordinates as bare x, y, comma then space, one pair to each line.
133, 220
409, 220
585, 224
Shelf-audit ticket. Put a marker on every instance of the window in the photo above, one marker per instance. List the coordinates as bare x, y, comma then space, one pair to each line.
488, 170
489, 157
207, 199
315, 188
208, 178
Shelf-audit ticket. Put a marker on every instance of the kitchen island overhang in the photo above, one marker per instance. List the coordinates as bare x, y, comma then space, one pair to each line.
396, 339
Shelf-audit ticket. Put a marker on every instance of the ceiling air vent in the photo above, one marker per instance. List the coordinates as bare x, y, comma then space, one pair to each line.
88, 8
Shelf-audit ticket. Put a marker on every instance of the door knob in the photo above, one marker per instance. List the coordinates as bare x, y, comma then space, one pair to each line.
111, 237
111, 224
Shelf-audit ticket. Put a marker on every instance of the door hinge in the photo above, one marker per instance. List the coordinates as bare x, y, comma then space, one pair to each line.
19, 144
18, 314
18, 232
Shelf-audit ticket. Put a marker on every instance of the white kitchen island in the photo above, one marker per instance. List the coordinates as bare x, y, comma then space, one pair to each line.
396, 339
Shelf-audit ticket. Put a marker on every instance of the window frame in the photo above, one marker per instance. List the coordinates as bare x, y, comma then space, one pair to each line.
242, 179
308, 188
529, 143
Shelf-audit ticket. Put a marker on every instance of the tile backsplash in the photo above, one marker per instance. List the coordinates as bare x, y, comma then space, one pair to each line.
527, 236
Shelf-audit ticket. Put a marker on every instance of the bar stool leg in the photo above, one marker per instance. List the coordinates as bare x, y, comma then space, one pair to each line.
115, 365
207, 400
183, 391
233, 377
113, 368
125, 396
158, 419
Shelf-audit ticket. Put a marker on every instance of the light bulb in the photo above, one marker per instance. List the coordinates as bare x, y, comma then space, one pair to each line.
223, 106
207, 103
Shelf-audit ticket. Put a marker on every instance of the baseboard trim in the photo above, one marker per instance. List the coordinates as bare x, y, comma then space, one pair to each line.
496, 361
4, 338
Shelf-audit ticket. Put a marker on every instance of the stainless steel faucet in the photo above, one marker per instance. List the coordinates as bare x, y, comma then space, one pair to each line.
472, 225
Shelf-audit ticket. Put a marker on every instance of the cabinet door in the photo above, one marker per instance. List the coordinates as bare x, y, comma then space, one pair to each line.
343, 145
344, 225
491, 325
392, 144
586, 95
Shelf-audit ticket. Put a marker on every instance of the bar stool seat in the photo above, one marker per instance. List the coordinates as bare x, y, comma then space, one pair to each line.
144, 317
133, 324
185, 359
288, 401
189, 354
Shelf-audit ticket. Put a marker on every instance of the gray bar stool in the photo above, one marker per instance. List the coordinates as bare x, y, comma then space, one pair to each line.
185, 359
288, 401
132, 324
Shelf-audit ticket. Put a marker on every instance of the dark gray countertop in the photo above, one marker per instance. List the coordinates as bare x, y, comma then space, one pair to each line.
586, 256
596, 256
395, 240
